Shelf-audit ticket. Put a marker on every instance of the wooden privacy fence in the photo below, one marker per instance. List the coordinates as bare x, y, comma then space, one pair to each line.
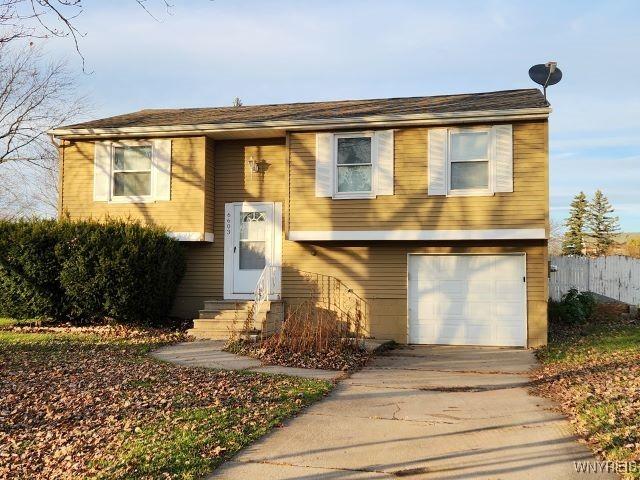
614, 277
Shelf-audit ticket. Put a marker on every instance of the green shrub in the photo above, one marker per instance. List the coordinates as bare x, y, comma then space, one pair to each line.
29, 285
84, 270
575, 307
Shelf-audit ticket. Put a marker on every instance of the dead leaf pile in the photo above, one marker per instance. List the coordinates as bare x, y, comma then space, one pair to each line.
593, 373
344, 360
67, 407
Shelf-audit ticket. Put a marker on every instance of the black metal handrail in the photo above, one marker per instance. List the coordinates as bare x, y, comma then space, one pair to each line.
334, 295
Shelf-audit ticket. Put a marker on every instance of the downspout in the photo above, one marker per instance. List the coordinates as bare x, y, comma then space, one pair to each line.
60, 150
287, 203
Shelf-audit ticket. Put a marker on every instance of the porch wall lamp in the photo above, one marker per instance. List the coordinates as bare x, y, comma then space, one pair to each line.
254, 166
257, 166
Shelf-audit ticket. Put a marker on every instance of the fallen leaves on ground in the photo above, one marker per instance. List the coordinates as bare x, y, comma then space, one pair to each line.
348, 359
593, 372
89, 403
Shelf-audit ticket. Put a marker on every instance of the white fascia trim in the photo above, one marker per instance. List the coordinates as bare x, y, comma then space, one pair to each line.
191, 236
316, 124
400, 235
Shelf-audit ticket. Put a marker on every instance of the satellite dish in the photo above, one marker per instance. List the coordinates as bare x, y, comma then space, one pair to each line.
545, 74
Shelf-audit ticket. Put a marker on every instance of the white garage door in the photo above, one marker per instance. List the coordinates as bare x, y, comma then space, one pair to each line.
467, 299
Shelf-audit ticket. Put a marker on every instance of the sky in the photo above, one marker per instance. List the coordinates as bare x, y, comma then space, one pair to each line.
204, 53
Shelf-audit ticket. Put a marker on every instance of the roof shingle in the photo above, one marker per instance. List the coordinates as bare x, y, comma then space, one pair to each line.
343, 109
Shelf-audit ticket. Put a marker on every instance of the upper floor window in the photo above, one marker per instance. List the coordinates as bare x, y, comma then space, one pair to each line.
132, 171
469, 161
354, 163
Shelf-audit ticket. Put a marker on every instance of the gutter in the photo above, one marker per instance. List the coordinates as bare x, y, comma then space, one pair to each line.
311, 124
60, 151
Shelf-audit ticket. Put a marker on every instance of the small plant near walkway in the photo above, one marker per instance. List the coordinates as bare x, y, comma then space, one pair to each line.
592, 369
310, 337
89, 403
575, 307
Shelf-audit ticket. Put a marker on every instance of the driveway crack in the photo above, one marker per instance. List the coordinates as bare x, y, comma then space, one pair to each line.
407, 472
337, 469
393, 418
398, 408
472, 372
450, 389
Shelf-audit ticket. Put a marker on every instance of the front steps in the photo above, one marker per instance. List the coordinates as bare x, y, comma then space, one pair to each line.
220, 319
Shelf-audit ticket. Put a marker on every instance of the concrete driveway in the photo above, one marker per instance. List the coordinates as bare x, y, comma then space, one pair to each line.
423, 412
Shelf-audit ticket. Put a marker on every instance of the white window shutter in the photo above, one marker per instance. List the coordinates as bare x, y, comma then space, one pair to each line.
102, 172
162, 165
437, 161
324, 165
385, 162
503, 135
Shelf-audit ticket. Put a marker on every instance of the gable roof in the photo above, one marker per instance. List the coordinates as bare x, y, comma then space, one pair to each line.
282, 115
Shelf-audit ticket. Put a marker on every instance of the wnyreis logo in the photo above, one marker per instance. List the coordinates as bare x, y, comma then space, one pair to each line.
607, 467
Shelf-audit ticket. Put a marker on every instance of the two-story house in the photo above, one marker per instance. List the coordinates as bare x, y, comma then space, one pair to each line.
432, 209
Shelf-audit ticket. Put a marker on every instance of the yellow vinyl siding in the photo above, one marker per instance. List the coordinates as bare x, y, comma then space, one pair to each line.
410, 207
185, 212
377, 272
233, 182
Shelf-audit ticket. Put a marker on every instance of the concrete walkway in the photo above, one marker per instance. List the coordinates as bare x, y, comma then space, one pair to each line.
209, 354
423, 412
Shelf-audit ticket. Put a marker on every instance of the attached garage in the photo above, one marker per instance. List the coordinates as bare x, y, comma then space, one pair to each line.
467, 299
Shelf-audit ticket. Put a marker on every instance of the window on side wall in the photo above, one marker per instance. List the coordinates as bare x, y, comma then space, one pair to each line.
131, 171
470, 162
354, 165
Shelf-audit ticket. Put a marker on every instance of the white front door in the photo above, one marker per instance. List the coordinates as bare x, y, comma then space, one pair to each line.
467, 300
252, 241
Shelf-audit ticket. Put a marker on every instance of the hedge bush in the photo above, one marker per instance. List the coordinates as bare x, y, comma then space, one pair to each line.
85, 271
574, 308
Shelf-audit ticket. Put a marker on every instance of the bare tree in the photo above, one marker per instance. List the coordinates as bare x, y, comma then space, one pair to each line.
28, 189
35, 96
48, 18
556, 234
33, 19
38, 18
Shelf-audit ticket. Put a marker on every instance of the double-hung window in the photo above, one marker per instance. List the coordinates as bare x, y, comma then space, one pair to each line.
470, 162
131, 171
354, 165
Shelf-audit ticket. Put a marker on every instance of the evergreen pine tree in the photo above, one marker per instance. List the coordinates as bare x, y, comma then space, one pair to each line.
602, 226
573, 241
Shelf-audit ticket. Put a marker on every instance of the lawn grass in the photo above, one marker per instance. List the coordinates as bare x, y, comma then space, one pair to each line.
7, 322
29, 339
91, 404
174, 446
593, 372
577, 345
